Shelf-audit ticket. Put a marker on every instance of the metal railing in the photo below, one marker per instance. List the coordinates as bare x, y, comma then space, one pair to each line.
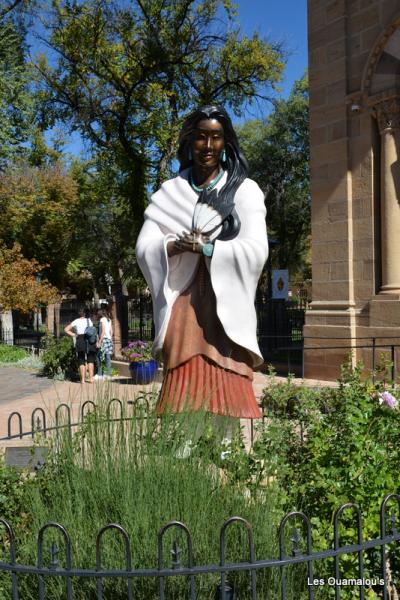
22, 338
292, 354
140, 318
49, 566
300, 538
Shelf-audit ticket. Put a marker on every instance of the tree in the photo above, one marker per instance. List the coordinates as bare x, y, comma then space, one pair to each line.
16, 102
107, 250
127, 74
40, 208
9, 7
278, 151
108, 221
21, 287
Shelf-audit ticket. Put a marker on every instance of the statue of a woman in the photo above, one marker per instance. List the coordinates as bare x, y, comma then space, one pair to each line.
202, 249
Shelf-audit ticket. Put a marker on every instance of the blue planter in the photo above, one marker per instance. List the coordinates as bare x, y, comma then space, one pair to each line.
143, 372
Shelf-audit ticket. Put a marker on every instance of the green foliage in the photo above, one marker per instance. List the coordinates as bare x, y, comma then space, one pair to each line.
41, 211
331, 447
16, 102
11, 354
109, 220
138, 474
59, 357
13, 490
278, 152
128, 73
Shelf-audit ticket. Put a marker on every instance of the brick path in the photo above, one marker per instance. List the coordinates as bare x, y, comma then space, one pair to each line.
23, 390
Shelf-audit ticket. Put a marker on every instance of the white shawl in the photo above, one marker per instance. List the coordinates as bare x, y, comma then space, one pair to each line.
235, 266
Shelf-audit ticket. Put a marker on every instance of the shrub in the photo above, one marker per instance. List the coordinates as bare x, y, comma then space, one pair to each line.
331, 448
13, 485
134, 473
59, 357
30, 361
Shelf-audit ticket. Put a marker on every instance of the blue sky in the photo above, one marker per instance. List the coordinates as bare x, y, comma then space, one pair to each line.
280, 20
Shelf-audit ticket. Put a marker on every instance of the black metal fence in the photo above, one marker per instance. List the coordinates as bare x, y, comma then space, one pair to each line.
301, 552
140, 318
280, 325
24, 330
23, 338
295, 547
280, 333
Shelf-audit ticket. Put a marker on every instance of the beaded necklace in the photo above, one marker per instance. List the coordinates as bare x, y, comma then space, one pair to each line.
210, 186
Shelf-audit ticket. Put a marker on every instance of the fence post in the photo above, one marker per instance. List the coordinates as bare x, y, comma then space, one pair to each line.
229, 593
140, 316
393, 361
373, 359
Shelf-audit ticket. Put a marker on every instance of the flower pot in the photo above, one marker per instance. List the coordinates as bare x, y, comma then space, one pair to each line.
143, 372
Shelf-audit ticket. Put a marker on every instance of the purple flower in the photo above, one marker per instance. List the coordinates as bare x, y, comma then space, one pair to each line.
137, 350
388, 399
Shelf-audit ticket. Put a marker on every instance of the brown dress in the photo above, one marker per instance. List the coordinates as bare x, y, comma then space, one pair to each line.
203, 368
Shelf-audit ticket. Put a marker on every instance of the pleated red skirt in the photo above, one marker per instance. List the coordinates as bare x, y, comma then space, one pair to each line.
203, 368
200, 384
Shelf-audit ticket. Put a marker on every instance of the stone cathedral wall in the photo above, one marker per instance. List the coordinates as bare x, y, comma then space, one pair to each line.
354, 69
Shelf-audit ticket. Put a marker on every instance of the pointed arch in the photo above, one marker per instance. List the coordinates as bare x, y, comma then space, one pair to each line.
377, 56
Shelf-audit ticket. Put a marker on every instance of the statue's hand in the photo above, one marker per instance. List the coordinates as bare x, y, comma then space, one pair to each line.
187, 242
190, 242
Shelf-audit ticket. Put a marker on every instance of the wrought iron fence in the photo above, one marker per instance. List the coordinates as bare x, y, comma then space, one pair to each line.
301, 553
280, 324
23, 338
140, 318
295, 545
40, 423
69, 310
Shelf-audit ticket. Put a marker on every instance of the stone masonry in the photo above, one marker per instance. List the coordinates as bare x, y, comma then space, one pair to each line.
354, 68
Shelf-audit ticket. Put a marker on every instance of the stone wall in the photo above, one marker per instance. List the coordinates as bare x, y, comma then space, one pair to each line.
354, 63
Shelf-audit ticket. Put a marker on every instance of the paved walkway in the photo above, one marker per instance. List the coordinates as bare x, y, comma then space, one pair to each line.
15, 383
23, 391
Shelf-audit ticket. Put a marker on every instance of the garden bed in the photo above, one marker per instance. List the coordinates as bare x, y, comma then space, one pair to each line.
315, 450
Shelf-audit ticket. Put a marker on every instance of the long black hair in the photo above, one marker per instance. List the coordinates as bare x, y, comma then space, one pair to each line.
235, 163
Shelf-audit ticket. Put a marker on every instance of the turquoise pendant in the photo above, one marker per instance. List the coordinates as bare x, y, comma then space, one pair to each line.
208, 249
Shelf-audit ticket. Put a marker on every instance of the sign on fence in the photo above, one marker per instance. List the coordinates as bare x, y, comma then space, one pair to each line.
280, 284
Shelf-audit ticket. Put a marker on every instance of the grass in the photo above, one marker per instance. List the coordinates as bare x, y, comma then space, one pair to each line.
19, 357
133, 473
11, 354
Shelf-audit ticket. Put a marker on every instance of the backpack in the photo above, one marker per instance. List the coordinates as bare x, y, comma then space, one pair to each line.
90, 334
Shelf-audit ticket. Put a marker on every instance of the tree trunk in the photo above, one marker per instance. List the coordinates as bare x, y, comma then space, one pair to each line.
119, 313
7, 327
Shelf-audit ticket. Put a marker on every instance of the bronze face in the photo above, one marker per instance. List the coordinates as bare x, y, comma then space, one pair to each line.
208, 143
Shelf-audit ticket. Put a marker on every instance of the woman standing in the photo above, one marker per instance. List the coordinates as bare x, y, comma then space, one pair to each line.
105, 344
85, 351
202, 249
